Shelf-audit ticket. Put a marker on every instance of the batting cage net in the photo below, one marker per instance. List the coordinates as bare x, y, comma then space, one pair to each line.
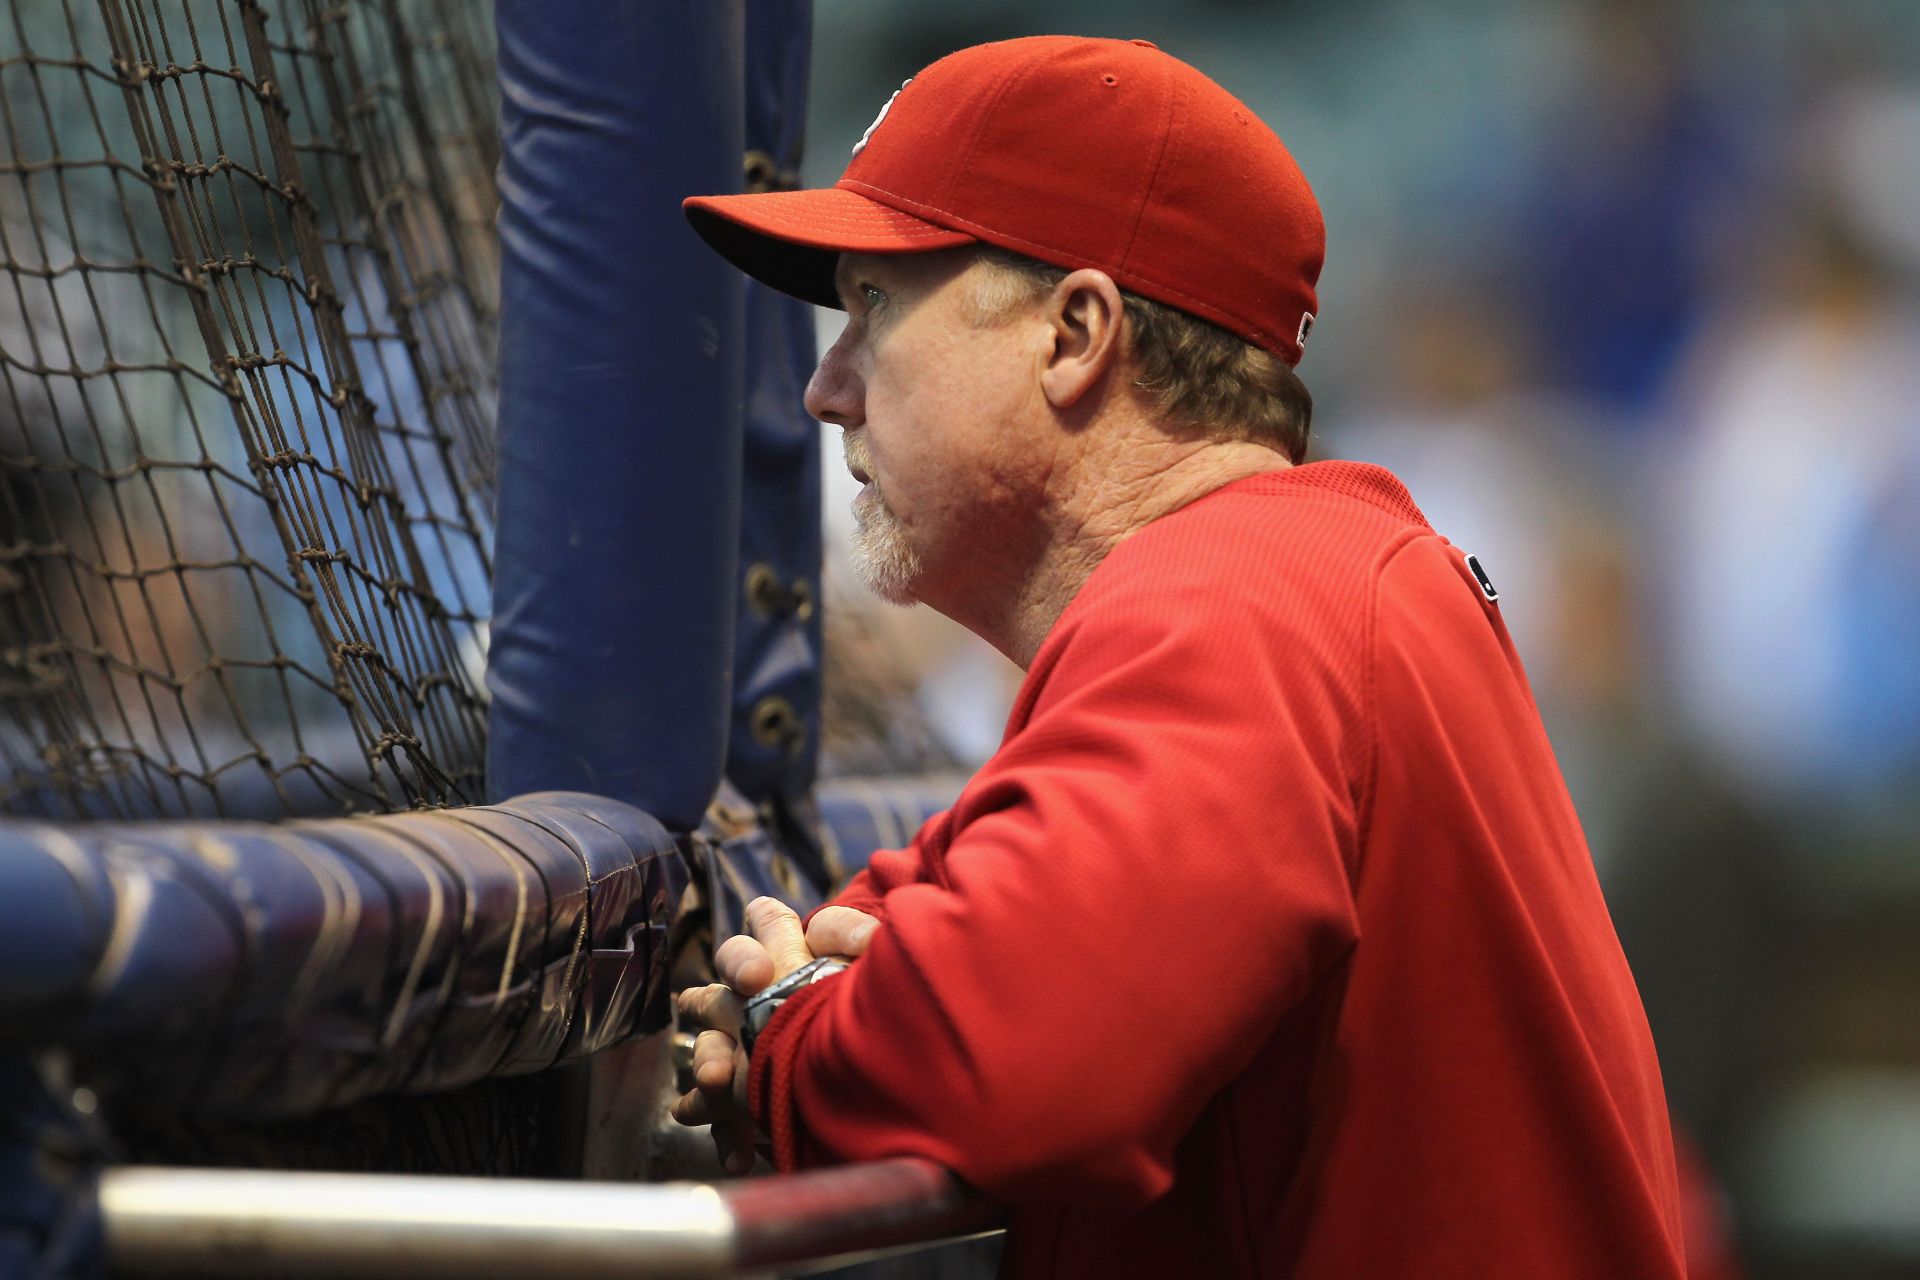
247, 454
253, 446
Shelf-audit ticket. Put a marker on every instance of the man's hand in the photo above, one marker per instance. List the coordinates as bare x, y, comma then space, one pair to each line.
840, 931
719, 1095
773, 947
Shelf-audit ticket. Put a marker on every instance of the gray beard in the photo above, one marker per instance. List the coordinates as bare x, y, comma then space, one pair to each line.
881, 556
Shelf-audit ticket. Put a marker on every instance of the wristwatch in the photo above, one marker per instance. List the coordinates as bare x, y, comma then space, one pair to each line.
760, 1008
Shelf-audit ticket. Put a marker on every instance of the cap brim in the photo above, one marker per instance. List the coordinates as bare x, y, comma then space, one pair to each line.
791, 240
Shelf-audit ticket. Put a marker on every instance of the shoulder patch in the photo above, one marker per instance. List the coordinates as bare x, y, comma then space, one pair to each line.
1487, 588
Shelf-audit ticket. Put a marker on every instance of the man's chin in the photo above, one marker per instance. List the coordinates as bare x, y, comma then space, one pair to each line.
892, 582
888, 567
891, 592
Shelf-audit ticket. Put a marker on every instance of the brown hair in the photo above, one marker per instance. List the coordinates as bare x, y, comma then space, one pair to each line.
1199, 375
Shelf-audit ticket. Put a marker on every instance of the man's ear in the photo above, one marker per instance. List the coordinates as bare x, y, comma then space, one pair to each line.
1086, 315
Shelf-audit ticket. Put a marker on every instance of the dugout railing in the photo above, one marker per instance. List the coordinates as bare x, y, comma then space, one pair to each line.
246, 1224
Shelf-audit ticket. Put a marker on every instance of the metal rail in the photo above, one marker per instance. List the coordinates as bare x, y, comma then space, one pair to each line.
219, 1222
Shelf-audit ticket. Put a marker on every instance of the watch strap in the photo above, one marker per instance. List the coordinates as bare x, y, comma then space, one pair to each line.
761, 1007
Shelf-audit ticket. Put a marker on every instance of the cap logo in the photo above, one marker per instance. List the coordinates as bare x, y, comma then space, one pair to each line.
1306, 326
885, 107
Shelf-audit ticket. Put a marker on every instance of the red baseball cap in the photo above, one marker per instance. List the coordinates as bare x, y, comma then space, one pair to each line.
1076, 152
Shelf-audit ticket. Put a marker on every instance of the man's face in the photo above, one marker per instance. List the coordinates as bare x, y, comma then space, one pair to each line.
934, 405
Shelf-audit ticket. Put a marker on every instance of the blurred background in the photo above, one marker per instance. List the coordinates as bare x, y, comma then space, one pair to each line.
1628, 293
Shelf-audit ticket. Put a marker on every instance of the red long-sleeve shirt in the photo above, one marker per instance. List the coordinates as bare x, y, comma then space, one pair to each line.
1268, 943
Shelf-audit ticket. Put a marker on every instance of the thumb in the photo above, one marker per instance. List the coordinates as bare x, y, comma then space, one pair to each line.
840, 931
774, 925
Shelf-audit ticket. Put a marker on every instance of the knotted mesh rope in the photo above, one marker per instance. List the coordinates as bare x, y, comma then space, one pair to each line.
246, 404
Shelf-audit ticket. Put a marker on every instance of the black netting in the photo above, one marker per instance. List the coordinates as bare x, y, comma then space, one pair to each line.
246, 404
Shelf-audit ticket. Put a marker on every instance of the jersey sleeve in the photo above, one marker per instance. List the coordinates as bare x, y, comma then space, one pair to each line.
1150, 874
888, 869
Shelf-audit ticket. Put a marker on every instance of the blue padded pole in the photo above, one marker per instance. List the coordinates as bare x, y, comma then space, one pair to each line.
776, 703
620, 406
272, 969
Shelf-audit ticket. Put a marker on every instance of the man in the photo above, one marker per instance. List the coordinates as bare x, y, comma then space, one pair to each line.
1267, 944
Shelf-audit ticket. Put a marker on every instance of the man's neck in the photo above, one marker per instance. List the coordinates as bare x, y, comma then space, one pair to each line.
1116, 499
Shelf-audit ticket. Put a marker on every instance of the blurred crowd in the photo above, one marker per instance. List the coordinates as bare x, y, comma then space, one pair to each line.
1628, 293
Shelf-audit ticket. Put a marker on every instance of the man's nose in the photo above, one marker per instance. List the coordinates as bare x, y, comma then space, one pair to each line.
833, 392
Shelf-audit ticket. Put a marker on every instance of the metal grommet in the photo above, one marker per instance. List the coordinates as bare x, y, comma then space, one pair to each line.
763, 589
776, 724
760, 172
770, 598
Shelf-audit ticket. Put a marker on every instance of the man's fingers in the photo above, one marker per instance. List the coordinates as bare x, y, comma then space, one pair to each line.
717, 1099
714, 1007
692, 1109
744, 964
840, 931
747, 964
713, 1063
732, 1140
778, 930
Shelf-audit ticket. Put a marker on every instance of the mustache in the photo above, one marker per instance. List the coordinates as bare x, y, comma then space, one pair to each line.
859, 461
854, 448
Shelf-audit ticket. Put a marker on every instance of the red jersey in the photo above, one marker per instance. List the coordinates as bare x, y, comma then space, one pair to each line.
1268, 943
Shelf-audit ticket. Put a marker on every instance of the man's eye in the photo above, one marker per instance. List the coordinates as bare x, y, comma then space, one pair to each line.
871, 296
